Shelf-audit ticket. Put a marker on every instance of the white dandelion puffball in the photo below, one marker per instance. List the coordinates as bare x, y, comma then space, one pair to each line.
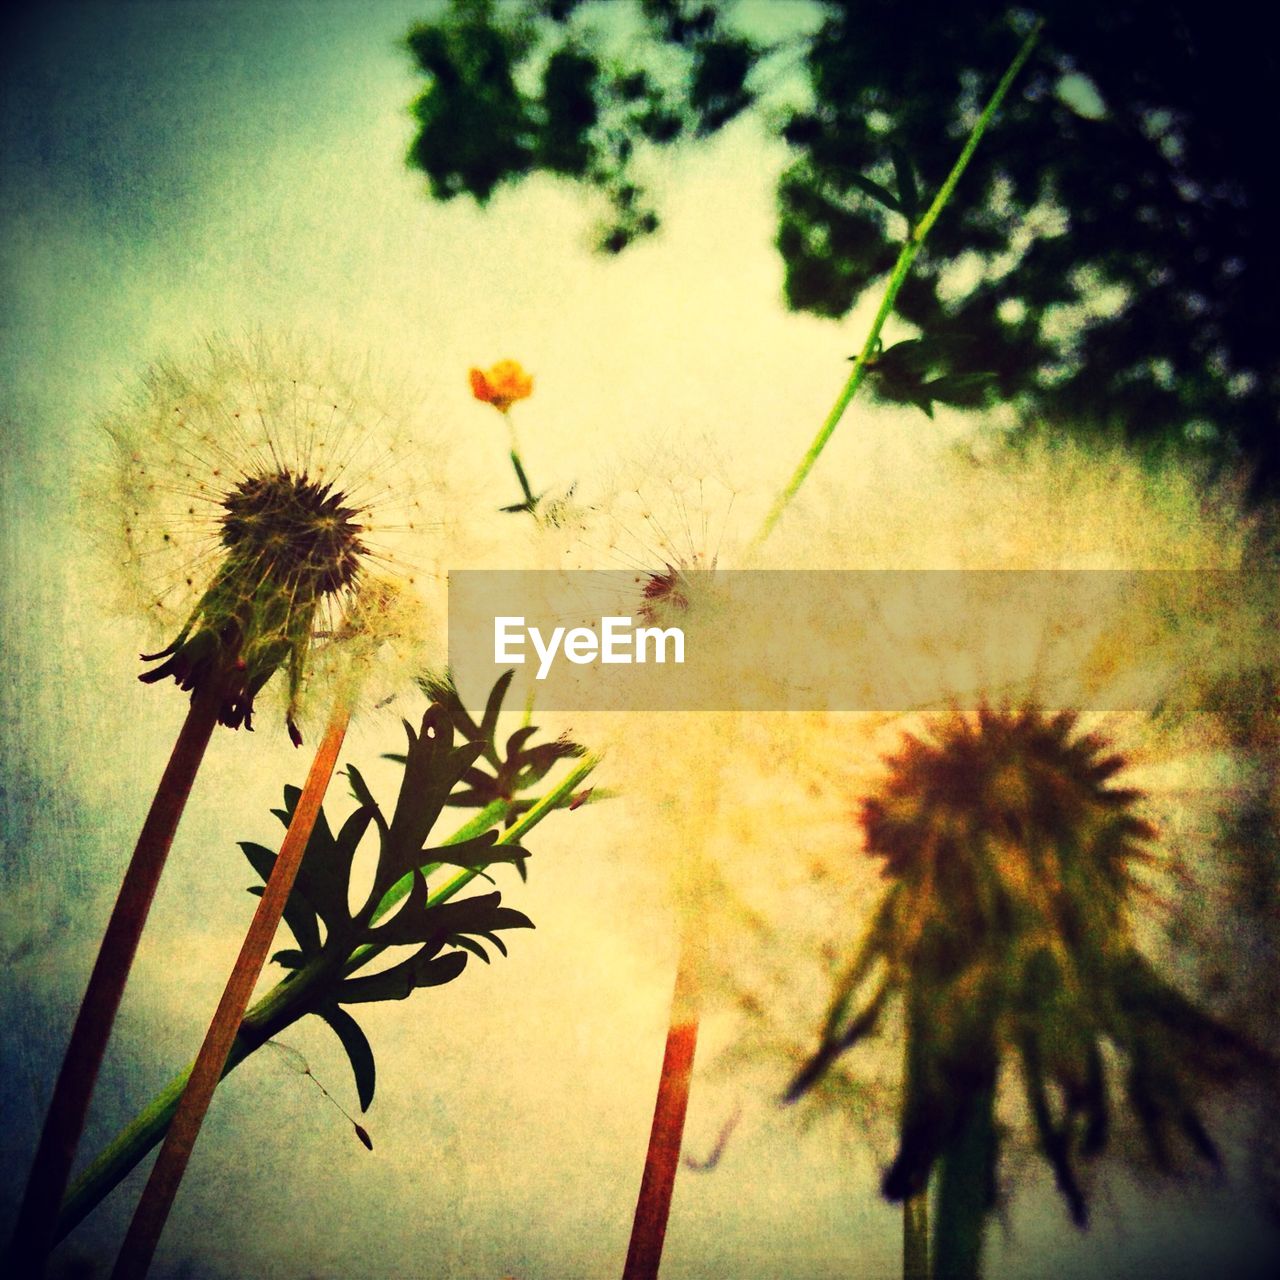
271, 512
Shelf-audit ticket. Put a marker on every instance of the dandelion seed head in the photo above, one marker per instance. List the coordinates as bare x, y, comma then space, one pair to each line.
266, 495
763, 819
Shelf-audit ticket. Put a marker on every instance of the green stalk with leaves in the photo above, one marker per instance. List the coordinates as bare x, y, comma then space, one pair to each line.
905, 202
325, 977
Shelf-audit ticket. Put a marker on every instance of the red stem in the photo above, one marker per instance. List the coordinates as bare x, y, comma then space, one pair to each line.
166, 1174
649, 1228
36, 1228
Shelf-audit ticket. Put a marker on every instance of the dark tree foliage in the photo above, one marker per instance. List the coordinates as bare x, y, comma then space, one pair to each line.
1110, 259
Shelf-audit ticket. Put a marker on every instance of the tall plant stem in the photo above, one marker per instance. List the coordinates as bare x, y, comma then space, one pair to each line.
915, 1237
901, 269
36, 1229
915, 1212
282, 1006
649, 1227
166, 1174
518, 466
965, 1175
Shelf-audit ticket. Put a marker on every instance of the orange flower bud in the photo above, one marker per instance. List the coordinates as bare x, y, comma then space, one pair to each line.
502, 385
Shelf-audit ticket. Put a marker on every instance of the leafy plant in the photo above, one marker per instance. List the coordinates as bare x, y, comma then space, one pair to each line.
405, 907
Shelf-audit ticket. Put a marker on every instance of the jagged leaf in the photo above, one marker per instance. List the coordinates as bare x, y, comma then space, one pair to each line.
493, 707
433, 767
299, 914
482, 851
359, 1054
401, 980
291, 797
417, 921
360, 789
325, 873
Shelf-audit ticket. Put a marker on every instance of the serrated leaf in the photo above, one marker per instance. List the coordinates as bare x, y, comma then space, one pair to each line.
431, 772
461, 940
291, 797
261, 859
481, 851
400, 981
493, 707
515, 743
358, 1051
497, 941
360, 789
325, 874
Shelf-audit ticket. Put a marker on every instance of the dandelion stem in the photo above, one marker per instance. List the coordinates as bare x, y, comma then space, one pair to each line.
965, 1176
901, 269
915, 1237
653, 1207
36, 1230
282, 1006
166, 1174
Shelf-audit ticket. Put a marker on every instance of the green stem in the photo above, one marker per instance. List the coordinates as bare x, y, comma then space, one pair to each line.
965, 1176
915, 1237
519, 466
901, 269
287, 1002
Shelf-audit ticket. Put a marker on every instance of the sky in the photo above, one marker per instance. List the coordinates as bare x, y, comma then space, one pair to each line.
173, 170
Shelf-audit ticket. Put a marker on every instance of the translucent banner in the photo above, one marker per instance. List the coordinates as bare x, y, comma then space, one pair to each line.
860, 641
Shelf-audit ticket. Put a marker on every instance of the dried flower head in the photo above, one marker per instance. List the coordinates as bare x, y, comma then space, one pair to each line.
264, 495
502, 385
1045, 798
1007, 934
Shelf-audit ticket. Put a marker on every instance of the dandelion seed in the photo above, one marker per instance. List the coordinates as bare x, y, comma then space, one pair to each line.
297, 1063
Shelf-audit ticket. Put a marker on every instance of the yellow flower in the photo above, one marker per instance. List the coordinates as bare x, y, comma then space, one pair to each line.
502, 385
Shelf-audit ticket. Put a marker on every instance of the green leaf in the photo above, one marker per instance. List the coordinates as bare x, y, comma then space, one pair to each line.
299, 914
881, 195
359, 1054
360, 790
904, 174
432, 769
481, 851
325, 873
400, 981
